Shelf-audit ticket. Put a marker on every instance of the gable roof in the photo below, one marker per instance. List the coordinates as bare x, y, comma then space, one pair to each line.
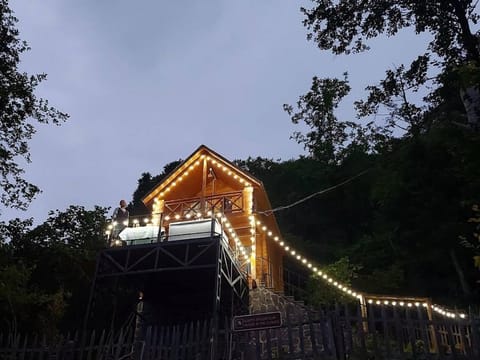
242, 176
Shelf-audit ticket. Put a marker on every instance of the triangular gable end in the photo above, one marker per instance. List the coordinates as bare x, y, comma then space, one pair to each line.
191, 178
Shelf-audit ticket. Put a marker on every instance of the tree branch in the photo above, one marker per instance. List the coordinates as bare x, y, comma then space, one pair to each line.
468, 39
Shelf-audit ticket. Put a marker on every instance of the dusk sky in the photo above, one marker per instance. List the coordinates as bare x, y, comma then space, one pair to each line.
147, 82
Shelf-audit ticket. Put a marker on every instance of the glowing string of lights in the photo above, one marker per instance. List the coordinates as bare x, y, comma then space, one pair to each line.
228, 170
347, 290
233, 234
368, 298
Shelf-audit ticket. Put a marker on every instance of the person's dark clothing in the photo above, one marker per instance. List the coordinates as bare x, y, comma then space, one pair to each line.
120, 219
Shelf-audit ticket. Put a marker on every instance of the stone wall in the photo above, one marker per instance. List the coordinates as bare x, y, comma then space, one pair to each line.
264, 300
301, 333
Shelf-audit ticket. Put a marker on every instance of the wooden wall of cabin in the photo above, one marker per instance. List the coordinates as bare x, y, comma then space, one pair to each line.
276, 254
269, 263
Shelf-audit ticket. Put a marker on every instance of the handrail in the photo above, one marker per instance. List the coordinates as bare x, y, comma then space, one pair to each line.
145, 222
226, 202
223, 194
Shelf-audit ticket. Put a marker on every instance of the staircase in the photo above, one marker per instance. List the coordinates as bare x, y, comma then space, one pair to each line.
301, 324
264, 300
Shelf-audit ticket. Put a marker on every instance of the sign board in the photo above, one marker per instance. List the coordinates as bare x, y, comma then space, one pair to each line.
257, 321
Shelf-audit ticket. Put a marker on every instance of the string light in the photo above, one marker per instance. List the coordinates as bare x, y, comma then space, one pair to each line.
253, 239
238, 244
347, 290
220, 164
228, 227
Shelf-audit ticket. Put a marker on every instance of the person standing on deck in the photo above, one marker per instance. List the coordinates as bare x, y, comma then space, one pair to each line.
119, 219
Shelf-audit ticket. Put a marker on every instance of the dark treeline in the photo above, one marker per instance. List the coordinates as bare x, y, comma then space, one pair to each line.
46, 270
398, 225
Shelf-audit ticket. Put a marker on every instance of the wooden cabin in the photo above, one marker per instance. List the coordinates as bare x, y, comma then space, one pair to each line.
208, 185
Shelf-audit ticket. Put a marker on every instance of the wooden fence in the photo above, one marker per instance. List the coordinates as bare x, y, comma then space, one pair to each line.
340, 333
187, 341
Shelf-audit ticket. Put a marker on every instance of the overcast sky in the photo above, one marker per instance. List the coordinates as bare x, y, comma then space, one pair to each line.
147, 82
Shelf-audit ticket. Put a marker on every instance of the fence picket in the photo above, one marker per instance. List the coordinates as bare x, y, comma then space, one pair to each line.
33, 346
399, 334
44, 348
197, 338
373, 331
189, 354
338, 333
348, 333
451, 340
411, 333
424, 329
160, 347
101, 345
155, 341
361, 321
91, 345
22, 351
288, 321
321, 335
165, 351
386, 337
183, 343
464, 339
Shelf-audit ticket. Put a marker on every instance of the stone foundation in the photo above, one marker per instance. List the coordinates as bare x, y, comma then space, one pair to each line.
301, 325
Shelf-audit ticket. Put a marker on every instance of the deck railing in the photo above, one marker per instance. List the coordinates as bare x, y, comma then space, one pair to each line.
230, 202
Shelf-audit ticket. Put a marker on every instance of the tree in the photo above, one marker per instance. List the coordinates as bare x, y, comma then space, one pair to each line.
330, 139
318, 292
145, 184
473, 241
447, 73
46, 270
20, 110
345, 26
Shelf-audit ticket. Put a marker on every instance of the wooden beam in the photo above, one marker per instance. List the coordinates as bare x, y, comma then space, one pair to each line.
204, 185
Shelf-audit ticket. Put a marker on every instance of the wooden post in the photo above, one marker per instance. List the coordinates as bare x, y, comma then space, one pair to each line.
160, 223
247, 200
431, 327
363, 312
204, 186
253, 257
216, 301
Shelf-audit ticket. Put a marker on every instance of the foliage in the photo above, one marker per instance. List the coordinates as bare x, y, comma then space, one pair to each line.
18, 301
20, 108
345, 26
145, 184
399, 220
423, 164
320, 293
330, 139
321, 226
445, 76
46, 270
474, 243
